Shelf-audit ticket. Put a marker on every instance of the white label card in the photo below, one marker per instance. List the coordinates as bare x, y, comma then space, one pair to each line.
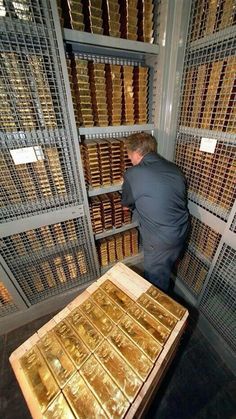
208, 145
27, 155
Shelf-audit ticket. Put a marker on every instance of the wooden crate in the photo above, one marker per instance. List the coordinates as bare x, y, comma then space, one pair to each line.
134, 286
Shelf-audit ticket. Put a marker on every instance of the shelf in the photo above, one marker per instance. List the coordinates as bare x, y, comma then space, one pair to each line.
115, 230
210, 40
218, 135
115, 129
217, 210
106, 43
104, 189
130, 261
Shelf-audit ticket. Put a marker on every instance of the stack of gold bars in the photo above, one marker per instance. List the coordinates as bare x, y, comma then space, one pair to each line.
104, 94
115, 159
5, 297
98, 91
90, 158
147, 20
83, 93
125, 246
132, 19
128, 90
102, 355
106, 212
95, 16
112, 24
141, 94
74, 18
104, 160
114, 93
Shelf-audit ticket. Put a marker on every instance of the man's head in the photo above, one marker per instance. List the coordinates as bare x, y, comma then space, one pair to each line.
138, 145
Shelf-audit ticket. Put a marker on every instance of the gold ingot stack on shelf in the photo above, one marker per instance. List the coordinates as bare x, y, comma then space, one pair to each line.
15, 66
119, 246
95, 16
70, 228
73, 15
128, 91
106, 209
48, 274
113, 18
125, 161
45, 109
115, 159
111, 249
127, 244
83, 93
71, 266
148, 21
134, 241
96, 214
7, 120
132, 19
114, 93
5, 297
10, 194
60, 271
71, 68
103, 252
91, 164
41, 178
55, 167
141, 94
81, 260
117, 211
33, 241
104, 160
46, 236
58, 234
98, 92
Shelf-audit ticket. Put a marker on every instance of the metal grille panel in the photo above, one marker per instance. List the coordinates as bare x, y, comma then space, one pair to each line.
203, 239
50, 259
192, 271
34, 112
233, 225
219, 299
211, 177
7, 305
211, 17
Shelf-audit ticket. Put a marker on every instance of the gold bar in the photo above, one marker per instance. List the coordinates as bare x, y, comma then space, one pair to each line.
152, 326
97, 317
56, 358
82, 400
172, 306
71, 343
39, 377
58, 409
84, 329
107, 392
107, 305
157, 311
120, 371
117, 295
138, 335
131, 353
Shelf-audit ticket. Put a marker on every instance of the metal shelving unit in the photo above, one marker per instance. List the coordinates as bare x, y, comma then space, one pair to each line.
108, 233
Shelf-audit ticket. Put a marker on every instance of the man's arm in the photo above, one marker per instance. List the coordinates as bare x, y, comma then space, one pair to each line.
127, 199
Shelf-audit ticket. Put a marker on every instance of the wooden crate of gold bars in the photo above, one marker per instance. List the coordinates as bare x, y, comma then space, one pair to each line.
104, 354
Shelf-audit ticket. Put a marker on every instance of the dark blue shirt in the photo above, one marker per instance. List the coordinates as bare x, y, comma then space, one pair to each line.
156, 189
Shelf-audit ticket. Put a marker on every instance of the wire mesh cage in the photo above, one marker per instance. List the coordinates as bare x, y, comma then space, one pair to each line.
211, 17
233, 225
210, 177
50, 259
219, 298
34, 112
7, 305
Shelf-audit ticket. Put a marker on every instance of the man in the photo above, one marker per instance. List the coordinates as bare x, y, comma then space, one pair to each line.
156, 190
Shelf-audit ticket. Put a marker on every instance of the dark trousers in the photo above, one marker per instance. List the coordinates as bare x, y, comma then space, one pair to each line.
158, 263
